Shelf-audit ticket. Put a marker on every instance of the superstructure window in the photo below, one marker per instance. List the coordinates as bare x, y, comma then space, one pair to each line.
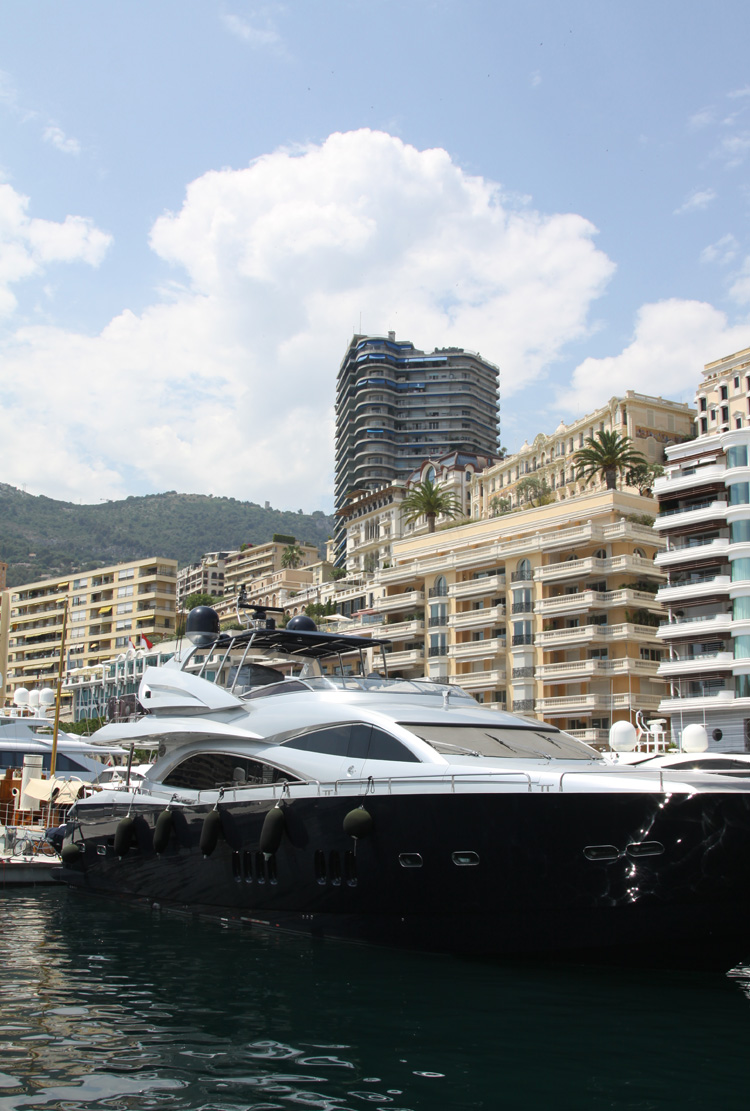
510, 743
355, 740
206, 771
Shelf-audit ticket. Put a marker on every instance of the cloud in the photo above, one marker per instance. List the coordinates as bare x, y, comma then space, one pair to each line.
739, 290
696, 202
57, 137
226, 383
722, 251
702, 118
734, 149
736, 93
536, 79
28, 245
255, 36
673, 340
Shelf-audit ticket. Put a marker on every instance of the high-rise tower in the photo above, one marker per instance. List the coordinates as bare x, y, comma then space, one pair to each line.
397, 406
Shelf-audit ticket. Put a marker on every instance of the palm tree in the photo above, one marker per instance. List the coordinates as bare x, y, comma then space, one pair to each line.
292, 556
605, 455
429, 499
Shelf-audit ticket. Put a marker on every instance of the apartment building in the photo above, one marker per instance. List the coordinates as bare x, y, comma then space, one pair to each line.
397, 406
704, 516
652, 423
550, 611
723, 397
106, 609
204, 577
374, 518
259, 561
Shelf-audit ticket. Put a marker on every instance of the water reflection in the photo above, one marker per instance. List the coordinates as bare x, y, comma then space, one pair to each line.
105, 1006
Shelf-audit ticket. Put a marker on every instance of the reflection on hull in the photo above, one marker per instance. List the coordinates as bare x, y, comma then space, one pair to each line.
475, 874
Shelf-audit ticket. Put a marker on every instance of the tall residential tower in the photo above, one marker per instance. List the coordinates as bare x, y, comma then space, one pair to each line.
397, 406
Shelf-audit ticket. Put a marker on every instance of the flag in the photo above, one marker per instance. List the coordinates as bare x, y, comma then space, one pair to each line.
145, 642
131, 642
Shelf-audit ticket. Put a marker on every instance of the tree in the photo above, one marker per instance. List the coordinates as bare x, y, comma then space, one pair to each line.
429, 499
338, 573
292, 556
643, 477
605, 456
499, 506
534, 490
194, 600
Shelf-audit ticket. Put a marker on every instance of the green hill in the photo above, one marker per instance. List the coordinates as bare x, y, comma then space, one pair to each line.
41, 537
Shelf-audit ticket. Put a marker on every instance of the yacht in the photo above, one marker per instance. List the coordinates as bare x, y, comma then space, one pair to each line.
309, 795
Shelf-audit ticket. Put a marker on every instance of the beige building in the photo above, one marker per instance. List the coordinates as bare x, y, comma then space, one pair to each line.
106, 609
204, 577
652, 423
261, 561
723, 397
549, 611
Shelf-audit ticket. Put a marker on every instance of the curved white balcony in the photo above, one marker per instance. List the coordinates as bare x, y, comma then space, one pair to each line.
685, 592
476, 619
478, 649
709, 662
394, 602
481, 680
702, 514
576, 671
689, 553
700, 626
564, 604
595, 634
477, 588
690, 479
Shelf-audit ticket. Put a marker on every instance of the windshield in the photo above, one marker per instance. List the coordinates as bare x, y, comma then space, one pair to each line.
479, 740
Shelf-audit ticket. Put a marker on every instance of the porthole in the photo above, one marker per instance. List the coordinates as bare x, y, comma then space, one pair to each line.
320, 866
717, 735
410, 860
645, 848
601, 852
465, 858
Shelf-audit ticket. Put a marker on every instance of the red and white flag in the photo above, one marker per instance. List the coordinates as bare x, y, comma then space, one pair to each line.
145, 642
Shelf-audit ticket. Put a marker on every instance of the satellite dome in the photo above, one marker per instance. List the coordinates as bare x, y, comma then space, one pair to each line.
302, 624
202, 626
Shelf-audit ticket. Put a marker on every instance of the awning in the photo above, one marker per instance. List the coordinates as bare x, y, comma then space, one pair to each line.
105, 609
61, 792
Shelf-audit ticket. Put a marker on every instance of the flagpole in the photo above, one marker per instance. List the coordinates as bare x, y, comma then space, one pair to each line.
58, 696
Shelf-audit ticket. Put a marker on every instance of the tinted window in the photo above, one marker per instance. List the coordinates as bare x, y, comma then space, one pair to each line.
209, 770
482, 740
355, 740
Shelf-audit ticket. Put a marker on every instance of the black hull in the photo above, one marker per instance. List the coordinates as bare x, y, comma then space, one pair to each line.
496, 875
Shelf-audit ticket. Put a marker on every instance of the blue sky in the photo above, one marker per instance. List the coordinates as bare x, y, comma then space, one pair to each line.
199, 199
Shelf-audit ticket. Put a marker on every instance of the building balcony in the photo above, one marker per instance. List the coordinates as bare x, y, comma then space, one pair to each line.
576, 671
401, 631
478, 649
707, 702
694, 552
565, 604
477, 588
476, 619
481, 680
707, 661
701, 626
577, 704
702, 513
597, 737
411, 657
596, 634
578, 568
686, 592
392, 603
690, 480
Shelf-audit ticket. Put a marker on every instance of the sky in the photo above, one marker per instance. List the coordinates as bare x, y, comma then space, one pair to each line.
201, 201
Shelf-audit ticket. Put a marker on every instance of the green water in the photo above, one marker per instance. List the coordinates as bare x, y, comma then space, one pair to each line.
109, 1007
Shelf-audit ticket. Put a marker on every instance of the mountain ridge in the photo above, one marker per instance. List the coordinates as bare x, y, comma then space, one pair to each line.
41, 537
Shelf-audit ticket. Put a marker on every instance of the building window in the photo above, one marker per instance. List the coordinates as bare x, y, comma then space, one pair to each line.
737, 456
740, 570
725, 414
739, 493
703, 404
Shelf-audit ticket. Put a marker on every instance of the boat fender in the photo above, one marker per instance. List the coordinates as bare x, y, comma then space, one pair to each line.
70, 853
163, 831
211, 832
272, 831
358, 823
124, 835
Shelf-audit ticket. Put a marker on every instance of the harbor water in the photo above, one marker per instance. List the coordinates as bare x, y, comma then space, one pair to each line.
109, 1006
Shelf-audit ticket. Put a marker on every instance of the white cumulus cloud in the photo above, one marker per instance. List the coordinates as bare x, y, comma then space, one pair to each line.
673, 339
696, 202
28, 245
226, 383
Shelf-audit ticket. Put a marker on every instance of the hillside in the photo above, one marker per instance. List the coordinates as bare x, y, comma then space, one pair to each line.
41, 537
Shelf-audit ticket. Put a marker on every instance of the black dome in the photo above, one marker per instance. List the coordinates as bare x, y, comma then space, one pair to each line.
202, 626
302, 624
